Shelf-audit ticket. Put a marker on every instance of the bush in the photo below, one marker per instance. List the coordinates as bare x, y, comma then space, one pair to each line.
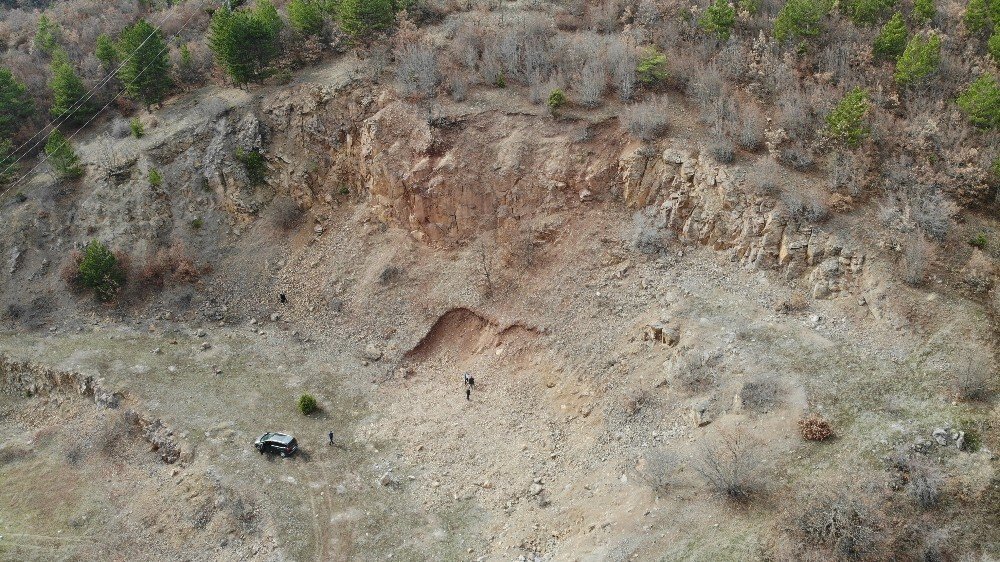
646, 120
285, 214
979, 241
891, 41
138, 131
732, 467
652, 68
719, 19
981, 102
845, 521
254, 165
416, 70
846, 121
759, 395
973, 385
920, 59
979, 15
924, 484
307, 404
306, 16
556, 100
101, 271
993, 45
363, 17
800, 19
658, 470
723, 151
814, 428
155, 179
62, 157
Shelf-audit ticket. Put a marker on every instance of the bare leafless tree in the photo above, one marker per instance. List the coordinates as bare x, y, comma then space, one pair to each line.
645, 120
732, 467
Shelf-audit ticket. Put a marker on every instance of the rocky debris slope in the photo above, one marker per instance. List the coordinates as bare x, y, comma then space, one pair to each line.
33, 379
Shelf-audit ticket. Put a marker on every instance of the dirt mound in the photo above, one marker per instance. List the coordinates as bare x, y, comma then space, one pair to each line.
460, 332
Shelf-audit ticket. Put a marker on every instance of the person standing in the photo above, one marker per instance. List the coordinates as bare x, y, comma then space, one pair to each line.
468, 392
330, 435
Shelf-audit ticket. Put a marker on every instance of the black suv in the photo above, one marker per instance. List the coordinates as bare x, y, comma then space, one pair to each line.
280, 443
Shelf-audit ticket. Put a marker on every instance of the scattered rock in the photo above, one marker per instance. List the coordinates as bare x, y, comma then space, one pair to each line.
700, 416
372, 352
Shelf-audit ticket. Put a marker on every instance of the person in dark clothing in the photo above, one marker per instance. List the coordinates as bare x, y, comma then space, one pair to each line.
281, 297
330, 435
471, 382
468, 392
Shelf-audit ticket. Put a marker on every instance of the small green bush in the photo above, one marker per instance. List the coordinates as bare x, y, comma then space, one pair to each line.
751, 7
719, 19
919, 60
307, 404
254, 164
891, 41
138, 131
652, 68
363, 17
800, 19
99, 270
981, 102
500, 82
981, 15
924, 10
979, 241
556, 99
197, 223
155, 179
846, 121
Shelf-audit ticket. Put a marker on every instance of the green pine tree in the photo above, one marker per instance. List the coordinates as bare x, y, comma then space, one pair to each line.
306, 16
68, 93
362, 17
800, 19
866, 12
8, 170
62, 157
919, 60
846, 121
146, 74
47, 35
99, 270
245, 42
982, 15
924, 10
981, 102
15, 104
719, 19
891, 41
106, 52
651, 69
993, 46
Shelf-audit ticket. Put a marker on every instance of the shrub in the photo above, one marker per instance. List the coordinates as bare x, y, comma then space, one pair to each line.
759, 395
891, 41
285, 214
723, 151
652, 68
658, 470
814, 428
923, 10
138, 130
646, 120
732, 467
155, 179
751, 134
719, 19
101, 271
866, 12
925, 483
635, 400
556, 100
593, 82
981, 102
307, 404
254, 165
919, 60
62, 157
306, 16
847, 522
362, 17
416, 70
973, 385
846, 121
800, 19
197, 223
979, 241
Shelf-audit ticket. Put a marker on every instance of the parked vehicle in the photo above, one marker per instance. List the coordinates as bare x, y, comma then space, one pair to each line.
280, 443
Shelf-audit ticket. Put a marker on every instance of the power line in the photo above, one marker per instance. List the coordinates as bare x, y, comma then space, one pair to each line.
73, 134
67, 113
